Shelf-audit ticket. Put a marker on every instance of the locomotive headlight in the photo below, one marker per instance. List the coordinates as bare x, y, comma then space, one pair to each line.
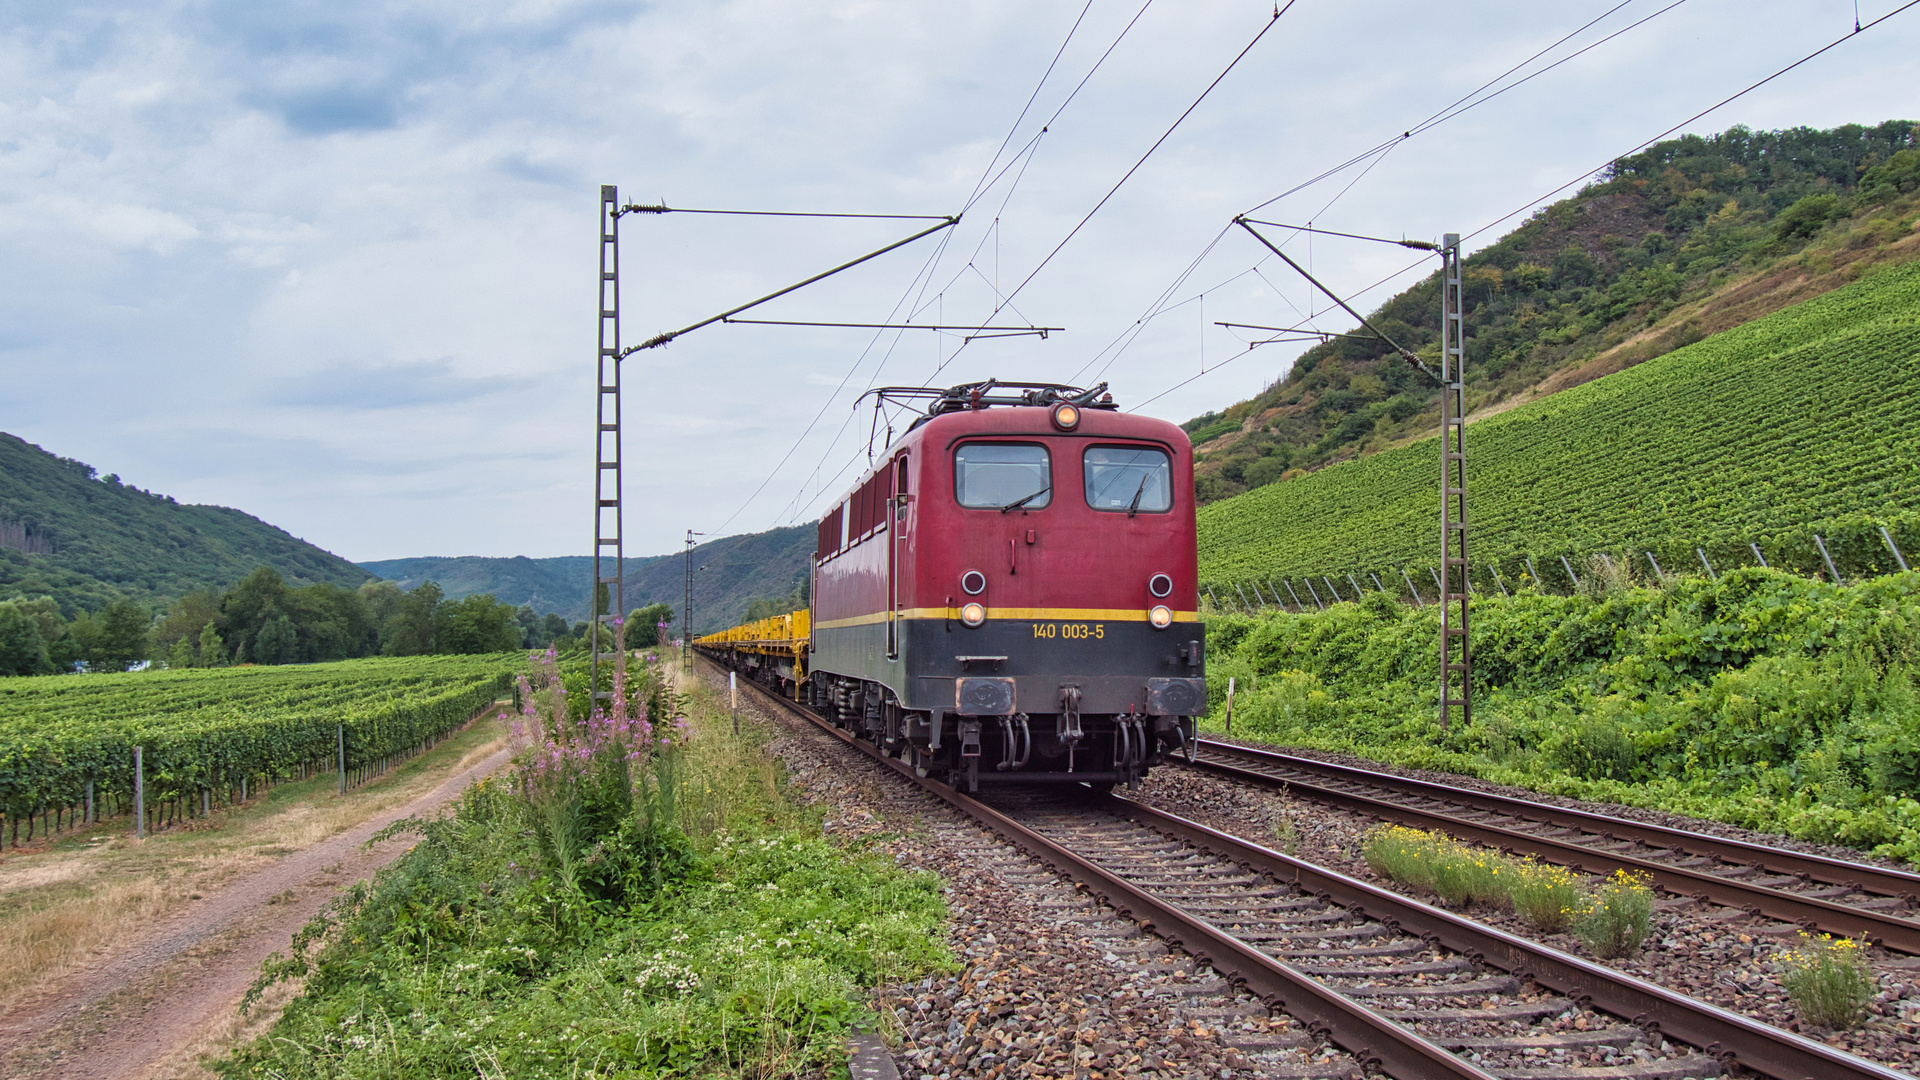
1159, 585
976, 613
1161, 617
1066, 417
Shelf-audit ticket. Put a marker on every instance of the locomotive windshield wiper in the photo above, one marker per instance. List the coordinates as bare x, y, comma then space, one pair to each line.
1134, 506
1020, 502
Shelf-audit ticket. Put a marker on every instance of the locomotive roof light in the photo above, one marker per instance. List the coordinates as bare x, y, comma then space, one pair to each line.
974, 582
976, 613
1159, 585
1066, 417
1161, 617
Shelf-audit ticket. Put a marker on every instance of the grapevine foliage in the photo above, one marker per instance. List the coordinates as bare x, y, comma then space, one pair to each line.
208, 728
1799, 422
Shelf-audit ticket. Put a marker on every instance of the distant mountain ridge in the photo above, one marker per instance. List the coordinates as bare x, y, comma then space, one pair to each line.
737, 570
87, 540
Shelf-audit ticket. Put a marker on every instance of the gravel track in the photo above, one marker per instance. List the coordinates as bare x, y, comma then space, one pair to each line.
1720, 955
1052, 983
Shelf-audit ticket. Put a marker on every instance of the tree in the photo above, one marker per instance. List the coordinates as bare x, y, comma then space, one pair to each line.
181, 655
185, 616
278, 642
213, 651
23, 651
114, 639
247, 606
643, 625
409, 630
475, 624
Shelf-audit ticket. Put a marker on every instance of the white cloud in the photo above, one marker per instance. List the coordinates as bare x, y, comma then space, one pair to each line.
333, 263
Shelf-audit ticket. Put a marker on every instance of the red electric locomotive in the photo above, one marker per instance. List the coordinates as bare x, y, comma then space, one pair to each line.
1012, 592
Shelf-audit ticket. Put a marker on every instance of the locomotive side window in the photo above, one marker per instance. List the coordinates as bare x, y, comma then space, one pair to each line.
1002, 476
1133, 479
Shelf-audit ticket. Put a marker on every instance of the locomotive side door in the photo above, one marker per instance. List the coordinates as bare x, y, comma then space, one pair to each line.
896, 536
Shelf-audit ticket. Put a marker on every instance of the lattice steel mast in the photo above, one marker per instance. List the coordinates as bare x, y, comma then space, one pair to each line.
607, 521
1456, 654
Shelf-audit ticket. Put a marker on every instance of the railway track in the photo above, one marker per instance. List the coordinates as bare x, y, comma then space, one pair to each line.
1811, 891
1401, 986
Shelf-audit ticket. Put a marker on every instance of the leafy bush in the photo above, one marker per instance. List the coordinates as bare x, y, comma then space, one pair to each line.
1763, 699
1613, 921
1828, 981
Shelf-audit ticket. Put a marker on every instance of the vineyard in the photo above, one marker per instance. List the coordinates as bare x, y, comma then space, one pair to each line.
208, 733
1797, 423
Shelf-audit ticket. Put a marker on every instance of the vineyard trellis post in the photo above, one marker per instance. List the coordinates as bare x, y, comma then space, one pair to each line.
1828, 559
340, 746
1456, 654
139, 795
1893, 547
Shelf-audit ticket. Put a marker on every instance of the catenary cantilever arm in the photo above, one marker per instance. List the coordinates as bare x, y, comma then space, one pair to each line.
662, 339
1405, 353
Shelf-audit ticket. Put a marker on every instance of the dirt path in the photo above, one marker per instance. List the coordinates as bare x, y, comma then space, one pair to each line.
145, 1009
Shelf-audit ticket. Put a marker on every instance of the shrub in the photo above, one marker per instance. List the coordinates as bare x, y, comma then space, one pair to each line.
1548, 897
1596, 749
1614, 919
1828, 980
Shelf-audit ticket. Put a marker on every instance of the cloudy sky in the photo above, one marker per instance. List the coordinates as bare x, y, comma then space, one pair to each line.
334, 263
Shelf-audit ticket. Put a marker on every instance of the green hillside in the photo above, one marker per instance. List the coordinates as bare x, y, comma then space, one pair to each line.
1806, 419
87, 540
739, 570
558, 584
1689, 238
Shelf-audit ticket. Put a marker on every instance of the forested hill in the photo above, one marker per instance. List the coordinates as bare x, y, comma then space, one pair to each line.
1687, 239
740, 571
87, 540
557, 584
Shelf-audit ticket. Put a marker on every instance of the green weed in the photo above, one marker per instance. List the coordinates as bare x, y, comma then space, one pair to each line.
1546, 896
1459, 874
1614, 919
1828, 980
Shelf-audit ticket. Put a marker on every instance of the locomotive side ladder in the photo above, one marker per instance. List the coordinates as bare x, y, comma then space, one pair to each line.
609, 549
1456, 656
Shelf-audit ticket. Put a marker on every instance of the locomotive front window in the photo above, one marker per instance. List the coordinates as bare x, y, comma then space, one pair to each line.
1133, 479
1002, 476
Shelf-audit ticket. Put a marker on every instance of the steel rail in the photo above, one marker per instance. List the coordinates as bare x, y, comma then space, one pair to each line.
1368, 1036
1890, 931
1733, 1038
1400, 1052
